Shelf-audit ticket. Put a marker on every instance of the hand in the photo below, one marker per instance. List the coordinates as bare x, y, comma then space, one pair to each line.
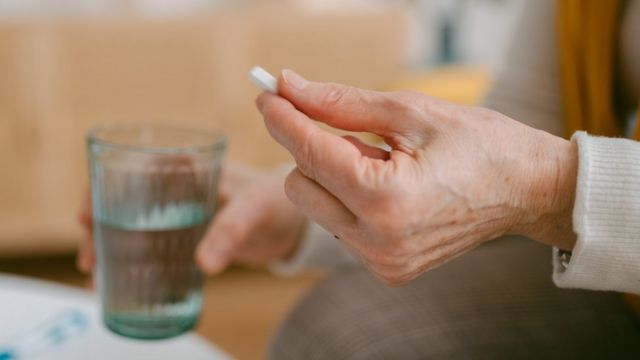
255, 223
455, 177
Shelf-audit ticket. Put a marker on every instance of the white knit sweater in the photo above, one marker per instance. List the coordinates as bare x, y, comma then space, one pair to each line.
606, 215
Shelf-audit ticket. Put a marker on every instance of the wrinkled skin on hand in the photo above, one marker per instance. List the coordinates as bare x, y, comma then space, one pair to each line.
455, 177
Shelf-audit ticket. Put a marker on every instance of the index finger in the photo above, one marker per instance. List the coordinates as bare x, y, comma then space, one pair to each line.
330, 160
353, 109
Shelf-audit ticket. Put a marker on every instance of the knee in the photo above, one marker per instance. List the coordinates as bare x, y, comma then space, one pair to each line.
328, 322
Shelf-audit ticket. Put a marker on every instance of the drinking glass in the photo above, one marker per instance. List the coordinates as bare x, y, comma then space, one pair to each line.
153, 191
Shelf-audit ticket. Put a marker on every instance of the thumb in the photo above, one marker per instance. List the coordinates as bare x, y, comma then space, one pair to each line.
230, 230
349, 108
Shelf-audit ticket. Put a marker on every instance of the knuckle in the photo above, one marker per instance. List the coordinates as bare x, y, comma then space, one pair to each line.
391, 278
398, 281
408, 102
392, 263
418, 109
388, 257
336, 94
305, 155
370, 176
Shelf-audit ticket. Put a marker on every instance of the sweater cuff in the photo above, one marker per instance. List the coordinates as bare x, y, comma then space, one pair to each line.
606, 217
318, 250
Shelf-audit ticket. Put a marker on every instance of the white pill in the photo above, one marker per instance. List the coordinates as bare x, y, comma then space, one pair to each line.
262, 79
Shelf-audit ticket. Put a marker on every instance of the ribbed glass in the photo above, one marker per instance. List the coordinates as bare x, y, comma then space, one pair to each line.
154, 190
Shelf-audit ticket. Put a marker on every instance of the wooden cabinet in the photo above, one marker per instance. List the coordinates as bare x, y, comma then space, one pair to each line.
57, 79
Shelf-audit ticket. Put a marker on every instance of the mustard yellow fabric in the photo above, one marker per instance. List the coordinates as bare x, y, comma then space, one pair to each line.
587, 39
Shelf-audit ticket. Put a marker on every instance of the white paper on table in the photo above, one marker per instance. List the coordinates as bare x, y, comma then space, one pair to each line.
26, 303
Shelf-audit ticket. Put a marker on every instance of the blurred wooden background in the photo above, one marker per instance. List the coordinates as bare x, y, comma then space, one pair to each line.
58, 78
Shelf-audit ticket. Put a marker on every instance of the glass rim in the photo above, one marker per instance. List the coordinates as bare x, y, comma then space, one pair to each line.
218, 141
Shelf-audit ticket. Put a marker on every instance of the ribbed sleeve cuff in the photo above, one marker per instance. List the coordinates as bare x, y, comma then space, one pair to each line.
606, 217
319, 250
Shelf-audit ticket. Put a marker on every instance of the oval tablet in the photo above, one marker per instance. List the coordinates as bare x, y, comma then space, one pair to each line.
262, 79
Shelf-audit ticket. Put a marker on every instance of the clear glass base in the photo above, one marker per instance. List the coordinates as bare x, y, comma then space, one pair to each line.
147, 327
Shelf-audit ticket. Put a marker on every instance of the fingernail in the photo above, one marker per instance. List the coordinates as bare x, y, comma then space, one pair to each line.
292, 78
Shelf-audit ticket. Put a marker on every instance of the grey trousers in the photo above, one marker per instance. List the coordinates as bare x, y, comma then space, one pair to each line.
496, 302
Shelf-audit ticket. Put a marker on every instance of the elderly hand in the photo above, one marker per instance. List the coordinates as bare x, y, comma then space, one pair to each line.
255, 225
454, 178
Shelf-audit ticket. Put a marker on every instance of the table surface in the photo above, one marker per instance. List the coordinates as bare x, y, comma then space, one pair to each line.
27, 304
232, 318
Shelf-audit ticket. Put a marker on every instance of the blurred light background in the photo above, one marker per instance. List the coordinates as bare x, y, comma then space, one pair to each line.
67, 65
